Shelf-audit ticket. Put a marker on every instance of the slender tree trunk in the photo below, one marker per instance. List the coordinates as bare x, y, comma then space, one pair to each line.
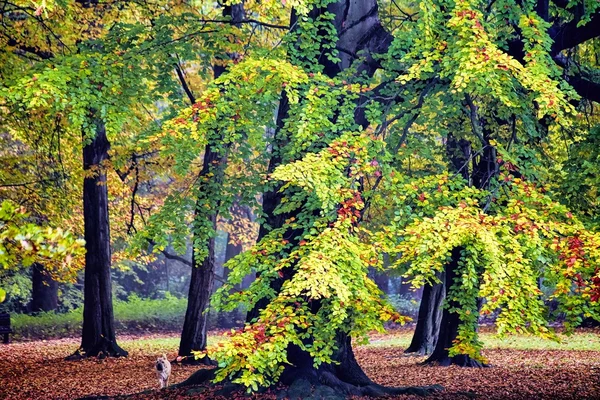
98, 335
193, 335
430, 318
44, 293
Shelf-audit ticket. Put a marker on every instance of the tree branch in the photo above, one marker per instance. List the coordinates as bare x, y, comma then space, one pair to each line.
184, 84
568, 35
583, 84
176, 257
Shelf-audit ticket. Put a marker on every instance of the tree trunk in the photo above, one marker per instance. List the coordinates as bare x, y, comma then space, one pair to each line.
44, 293
98, 335
430, 317
449, 325
193, 335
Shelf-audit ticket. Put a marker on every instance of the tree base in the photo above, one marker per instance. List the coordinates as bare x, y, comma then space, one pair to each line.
103, 349
418, 351
459, 360
313, 384
191, 360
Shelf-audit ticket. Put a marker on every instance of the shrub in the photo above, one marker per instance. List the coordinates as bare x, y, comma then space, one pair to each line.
405, 305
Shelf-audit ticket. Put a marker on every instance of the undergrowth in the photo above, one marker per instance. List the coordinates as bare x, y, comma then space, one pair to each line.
135, 315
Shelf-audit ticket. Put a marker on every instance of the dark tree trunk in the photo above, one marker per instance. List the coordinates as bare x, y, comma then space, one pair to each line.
44, 293
193, 335
430, 318
449, 325
98, 336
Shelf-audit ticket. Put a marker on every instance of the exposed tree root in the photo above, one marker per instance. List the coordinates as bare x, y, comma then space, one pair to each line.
199, 377
417, 351
315, 384
460, 360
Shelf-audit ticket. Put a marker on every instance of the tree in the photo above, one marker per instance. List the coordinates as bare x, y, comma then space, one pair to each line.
98, 333
193, 336
23, 243
474, 229
307, 354
67, 94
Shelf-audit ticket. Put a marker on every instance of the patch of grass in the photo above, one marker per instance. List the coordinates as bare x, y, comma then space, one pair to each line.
156, 345
578, 341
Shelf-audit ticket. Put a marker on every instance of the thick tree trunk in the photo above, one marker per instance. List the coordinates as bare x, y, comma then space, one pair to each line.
449, 325
98, 335
44, 293
430, 318
193, 335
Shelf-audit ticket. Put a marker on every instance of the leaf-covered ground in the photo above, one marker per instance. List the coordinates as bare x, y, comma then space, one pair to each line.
523, 368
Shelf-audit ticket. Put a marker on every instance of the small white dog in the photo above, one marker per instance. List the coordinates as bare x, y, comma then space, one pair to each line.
163, 371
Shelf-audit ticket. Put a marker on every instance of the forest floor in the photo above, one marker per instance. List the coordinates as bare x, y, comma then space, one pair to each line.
522, 368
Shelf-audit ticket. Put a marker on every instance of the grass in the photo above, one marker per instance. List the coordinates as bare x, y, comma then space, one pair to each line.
581, 340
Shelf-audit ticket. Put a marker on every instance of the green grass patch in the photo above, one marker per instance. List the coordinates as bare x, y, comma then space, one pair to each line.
578, 341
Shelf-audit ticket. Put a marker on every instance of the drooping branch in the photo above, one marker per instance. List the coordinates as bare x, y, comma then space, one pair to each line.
245, 21
176, 257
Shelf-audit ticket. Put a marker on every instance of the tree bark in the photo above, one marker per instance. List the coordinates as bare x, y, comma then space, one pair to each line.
484, 168
193, 335
98, 334
430, 318
44, 293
